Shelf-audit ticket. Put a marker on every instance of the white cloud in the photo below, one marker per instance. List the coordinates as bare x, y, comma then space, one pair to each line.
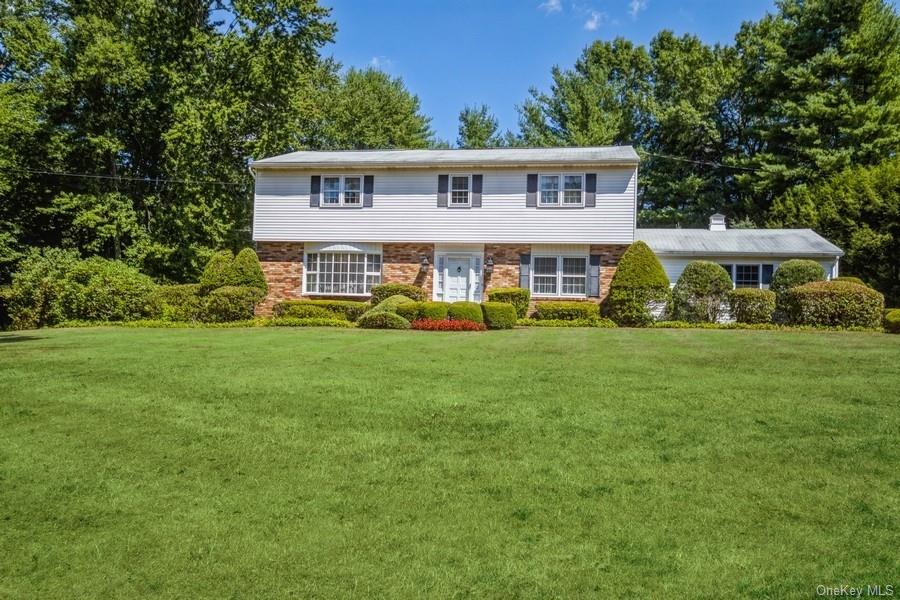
595, 19
551, 6
636, 6
381, 62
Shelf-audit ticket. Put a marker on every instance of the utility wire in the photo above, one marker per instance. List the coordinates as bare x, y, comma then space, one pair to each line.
699, 162
155, 180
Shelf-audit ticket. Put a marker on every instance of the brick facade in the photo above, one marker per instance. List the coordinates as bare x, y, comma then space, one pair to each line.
402, 263
282, 264
506, 265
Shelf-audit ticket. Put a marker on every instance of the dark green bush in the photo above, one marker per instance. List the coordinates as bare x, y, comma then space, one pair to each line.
892, 321
518, 297
349, 309
566, 311
499, 315
382, 292
33, 297
230, 303
794, 272
602, 323
97, 289
309, 311
181, 302
310, 322
751, 305
638, 284
391, 304
246, 271
5, 292
410, 310
219, 272
382, 320
834, 303
465, 311
700, 293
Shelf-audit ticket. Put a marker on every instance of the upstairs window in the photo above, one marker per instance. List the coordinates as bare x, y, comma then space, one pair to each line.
342, 190
459, 190
562, 190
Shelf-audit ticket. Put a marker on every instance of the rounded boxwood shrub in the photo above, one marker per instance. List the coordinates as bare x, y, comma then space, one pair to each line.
33, 298
218, 271
566, 311
700, 293
231, 303
435, 310
638, 283
348, 309
391, 304
892, 321
835, 304
180, 302
465, 311
410, 310
382, 292
97, 289
246, 270
499, 315
794, 272
382, 320
308, 311
518, 297
751, 305
850, 279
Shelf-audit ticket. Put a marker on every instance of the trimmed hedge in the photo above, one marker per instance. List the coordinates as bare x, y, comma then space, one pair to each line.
218, 271
180, 302
566, 311
834, 303
391, 304
382, 320
465, 311
246, 270
700, 293
592, 322
348, 309
309, 311
382, 292
850, 279
231, 303
424, 310
309, 322
892, 321
751, 305
410, 311
446, 325
518, 297
499, 315
639, 280
794, 272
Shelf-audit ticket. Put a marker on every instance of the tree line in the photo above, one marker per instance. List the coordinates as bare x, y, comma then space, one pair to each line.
796, 123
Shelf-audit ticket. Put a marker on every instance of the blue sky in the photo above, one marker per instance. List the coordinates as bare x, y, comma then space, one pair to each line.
457, 52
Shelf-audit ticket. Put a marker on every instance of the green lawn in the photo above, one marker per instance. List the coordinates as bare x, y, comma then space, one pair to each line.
529, 463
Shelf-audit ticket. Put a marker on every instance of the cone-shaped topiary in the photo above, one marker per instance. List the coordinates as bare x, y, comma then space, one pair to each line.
218, 272
639, 281
246, 270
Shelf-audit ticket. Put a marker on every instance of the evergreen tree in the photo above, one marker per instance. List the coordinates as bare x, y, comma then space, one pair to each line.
477, 128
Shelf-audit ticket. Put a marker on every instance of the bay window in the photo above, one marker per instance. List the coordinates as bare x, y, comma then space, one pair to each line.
559, 276
342, 273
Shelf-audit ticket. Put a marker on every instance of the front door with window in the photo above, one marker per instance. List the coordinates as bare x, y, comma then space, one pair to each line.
457, 282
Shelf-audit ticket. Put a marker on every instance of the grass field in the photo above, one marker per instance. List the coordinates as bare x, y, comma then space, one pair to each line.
528, 463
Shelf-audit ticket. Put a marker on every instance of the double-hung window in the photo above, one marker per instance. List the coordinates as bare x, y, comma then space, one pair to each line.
752, 275
565, 189
342, 273
342, 190
559, 276
460, 190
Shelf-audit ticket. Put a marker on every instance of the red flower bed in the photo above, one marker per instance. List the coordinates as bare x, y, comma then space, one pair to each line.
446, 325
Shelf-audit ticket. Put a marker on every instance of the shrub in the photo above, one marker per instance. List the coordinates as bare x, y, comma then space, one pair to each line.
410, 310
639, 281
310, 322
447, 325
219, 271
97, 289
33, 297
391, 304
382, 292
892, 321
230, 303
518, 297
180, 302
566, 311
308, 311
592, 322
349, 309
834, 303
465, 311
382, 320
700, 292
5, 292
499, 315
794, 272
751, 305
850, 279
435, 310
246, 271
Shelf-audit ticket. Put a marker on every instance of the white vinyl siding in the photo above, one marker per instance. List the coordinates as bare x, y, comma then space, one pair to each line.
404, 209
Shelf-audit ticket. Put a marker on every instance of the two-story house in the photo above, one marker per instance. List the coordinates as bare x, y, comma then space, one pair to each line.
456, 222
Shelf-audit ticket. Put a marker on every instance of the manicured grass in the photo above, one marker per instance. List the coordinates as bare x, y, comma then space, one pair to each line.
525, 463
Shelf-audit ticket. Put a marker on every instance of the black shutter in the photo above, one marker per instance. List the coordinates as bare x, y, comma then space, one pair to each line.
590, 190
594, 276
767, 271
314, 184
525, 271
368, 189
531, 190
443, 184
476, 191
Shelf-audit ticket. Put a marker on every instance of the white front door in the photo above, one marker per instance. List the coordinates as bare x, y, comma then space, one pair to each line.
457, 280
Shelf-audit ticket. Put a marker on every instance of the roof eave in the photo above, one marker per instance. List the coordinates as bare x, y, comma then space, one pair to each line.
838, 252
624, 162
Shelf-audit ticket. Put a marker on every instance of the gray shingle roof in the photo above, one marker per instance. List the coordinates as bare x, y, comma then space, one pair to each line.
773, 242
600, 155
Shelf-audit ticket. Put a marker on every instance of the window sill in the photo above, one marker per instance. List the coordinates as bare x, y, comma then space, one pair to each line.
347, 206
337, 294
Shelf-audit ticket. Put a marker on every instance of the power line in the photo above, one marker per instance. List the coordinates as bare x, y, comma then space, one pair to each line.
154, 180
699, 162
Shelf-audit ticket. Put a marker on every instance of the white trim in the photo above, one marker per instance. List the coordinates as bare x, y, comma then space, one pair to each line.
559, 275
759, 265
361, 247
450, 203
341, 190
442, 258
365, 273
560, 192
